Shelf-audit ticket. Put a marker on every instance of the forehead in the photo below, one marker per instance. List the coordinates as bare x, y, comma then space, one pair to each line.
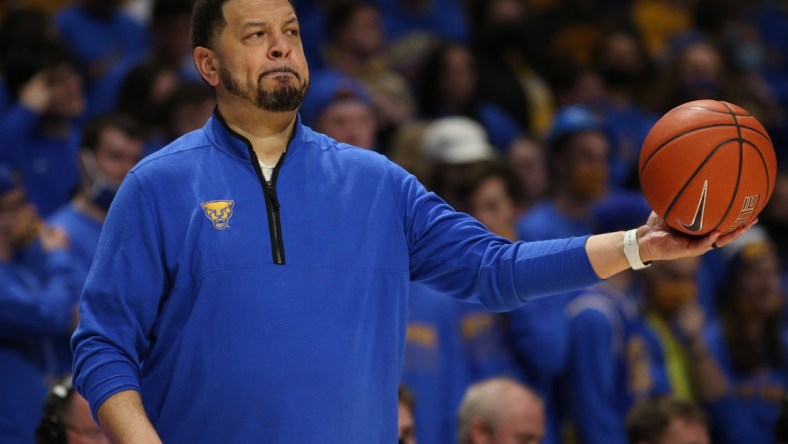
239, 13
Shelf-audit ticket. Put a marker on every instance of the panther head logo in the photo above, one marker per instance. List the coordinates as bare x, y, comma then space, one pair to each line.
219, 212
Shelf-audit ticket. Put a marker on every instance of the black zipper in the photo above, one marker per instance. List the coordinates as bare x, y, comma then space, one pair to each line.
269, 193
272, 206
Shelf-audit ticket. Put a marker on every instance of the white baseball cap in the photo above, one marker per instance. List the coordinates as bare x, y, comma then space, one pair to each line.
457, 140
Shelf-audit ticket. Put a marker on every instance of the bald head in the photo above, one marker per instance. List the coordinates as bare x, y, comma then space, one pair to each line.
501, 411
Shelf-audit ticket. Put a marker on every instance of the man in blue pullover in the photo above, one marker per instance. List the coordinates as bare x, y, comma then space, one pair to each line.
251, 279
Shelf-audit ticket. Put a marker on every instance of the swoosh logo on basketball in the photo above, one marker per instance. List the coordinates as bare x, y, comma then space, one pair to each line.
697, 221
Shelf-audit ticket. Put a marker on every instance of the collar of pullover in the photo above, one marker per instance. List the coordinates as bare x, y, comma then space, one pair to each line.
223, 136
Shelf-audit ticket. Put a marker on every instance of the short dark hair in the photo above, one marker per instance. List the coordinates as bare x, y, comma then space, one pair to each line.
208, 21
164, 9
648, 421
91, 135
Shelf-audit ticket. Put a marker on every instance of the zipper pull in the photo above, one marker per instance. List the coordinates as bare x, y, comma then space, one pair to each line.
271, 195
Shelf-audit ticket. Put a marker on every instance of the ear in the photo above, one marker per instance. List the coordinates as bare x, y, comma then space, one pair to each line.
207, 64
478, 431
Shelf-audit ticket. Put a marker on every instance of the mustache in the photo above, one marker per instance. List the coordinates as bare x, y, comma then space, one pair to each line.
286, 69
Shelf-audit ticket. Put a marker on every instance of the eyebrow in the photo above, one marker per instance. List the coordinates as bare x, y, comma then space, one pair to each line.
248, 25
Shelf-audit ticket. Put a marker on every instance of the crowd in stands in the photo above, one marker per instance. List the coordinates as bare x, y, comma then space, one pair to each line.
526, 114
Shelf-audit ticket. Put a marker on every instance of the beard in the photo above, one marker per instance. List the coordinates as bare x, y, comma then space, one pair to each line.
281, 98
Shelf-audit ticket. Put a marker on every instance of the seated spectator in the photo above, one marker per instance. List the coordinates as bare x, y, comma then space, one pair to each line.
667, 421
748, 344
341, 107
455, 146
608, 368
170, 48
503, 43
37, 309
187, 108
111, 146
66, 418
526, 158
143, 96
449, 86
499, 411
356, 48
40, 136
100, 35
577, 150
577, 166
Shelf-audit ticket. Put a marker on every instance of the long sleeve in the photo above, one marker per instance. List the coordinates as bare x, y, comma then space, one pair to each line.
123, 290
455, 254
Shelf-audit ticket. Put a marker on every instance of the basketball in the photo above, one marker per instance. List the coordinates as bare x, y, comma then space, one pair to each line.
707, 165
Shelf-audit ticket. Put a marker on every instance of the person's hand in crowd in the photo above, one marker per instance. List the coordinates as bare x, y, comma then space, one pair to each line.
53, 238
660, 242
36, 94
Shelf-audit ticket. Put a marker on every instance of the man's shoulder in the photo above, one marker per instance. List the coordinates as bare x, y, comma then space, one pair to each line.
344, 153
190, 145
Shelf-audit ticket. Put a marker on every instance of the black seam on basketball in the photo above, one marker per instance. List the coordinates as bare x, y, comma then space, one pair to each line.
690, 131
692, 176
738, 174
765, 168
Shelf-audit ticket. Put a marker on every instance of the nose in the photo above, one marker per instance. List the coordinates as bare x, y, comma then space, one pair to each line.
280, 47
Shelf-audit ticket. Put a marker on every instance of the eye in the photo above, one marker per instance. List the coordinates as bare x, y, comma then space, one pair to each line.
292, 32
255, 35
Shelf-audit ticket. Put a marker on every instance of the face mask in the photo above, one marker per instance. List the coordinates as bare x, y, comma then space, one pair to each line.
98, 188
672, 296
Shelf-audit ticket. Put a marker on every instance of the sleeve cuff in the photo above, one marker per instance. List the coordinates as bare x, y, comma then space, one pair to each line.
107, 380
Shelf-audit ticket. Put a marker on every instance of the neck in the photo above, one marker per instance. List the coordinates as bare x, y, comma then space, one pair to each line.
88, 208
268, 132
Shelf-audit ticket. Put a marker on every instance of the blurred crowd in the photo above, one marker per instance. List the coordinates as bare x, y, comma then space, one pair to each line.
527, 114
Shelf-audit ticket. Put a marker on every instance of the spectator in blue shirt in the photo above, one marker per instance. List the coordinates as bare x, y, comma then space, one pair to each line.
748, 345
111, 146
37, 309
40, 136
100, 35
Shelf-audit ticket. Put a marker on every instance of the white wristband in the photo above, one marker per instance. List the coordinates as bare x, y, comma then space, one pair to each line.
632, 250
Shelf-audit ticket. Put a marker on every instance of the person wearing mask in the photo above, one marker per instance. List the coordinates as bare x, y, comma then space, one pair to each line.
111, 145
40, 130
